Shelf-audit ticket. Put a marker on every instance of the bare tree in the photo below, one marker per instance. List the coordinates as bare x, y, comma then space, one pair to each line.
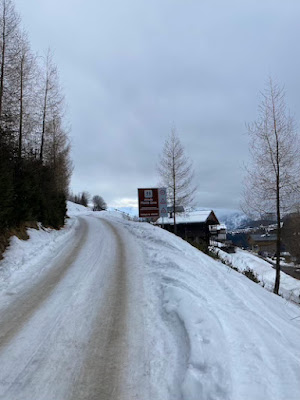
52, 98
272, 183
176, 174
99, 203
25, 74
85, 198
9, 31
32, 126
58, 151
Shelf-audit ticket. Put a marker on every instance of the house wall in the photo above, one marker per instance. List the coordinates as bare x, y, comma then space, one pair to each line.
196, 232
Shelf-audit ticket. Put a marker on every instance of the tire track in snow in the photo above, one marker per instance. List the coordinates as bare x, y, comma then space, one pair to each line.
15, 316
86, 339
102, 372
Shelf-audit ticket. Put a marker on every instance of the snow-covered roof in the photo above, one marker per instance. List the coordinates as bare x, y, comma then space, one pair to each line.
218, 227
187, 218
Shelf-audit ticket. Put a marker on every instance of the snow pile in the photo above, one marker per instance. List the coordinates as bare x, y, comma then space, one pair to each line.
244, 260
23, 254
213, 333
76, 209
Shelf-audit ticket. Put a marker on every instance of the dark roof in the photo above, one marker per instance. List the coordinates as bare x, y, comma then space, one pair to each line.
178, 209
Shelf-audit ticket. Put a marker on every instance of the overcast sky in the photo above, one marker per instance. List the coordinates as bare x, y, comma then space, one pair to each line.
133, 69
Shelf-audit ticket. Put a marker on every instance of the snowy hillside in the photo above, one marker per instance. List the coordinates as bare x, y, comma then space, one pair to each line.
76, 209
233, 219
243, 260
174, 323
132, 211
217, 334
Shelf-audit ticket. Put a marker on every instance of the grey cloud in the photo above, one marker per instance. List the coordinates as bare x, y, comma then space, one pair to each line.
132, 69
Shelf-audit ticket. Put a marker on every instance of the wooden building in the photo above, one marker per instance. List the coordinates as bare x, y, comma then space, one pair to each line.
194, 226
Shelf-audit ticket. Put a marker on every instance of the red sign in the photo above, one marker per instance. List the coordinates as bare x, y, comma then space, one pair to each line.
148, 203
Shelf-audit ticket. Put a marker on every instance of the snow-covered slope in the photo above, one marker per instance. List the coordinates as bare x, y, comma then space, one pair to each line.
214, 334
132, 211
209, 332
231, 218
244, 260
76, 209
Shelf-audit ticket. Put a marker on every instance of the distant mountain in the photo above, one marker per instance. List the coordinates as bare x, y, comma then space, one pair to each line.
233, 219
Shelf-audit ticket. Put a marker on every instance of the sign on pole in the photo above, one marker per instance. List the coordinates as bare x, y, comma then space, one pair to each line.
152, 202
163, 209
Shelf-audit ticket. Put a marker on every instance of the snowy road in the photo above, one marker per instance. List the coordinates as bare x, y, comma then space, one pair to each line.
64, 334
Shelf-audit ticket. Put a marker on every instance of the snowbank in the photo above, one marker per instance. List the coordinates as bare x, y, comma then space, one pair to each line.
213, 333
76, 209
243, 260
23, 254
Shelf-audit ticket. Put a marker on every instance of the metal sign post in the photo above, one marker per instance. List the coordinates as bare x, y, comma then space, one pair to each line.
163, 209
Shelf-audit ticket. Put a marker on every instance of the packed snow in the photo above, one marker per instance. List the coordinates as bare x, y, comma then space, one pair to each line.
217, 334
194, 329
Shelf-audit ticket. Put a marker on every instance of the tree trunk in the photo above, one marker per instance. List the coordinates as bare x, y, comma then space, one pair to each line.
174, 218
174, 196
278, 236
278, 242
2, 61
21, 113
44, 121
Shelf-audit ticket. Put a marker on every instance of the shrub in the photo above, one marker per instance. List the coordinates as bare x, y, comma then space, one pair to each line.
251, 275
200, 245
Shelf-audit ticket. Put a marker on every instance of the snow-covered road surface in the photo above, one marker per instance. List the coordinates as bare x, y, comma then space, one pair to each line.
66, 333
123, 310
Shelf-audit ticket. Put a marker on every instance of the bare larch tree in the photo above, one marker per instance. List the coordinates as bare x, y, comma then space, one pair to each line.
272, 182
25, 73
9, 30
51, 97
176, 174
35, 165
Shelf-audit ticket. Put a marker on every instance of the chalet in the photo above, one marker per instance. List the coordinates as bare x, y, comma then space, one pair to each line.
198, 226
